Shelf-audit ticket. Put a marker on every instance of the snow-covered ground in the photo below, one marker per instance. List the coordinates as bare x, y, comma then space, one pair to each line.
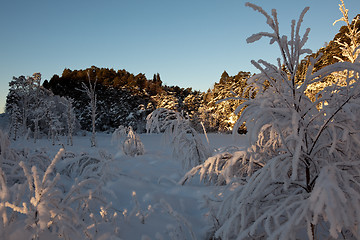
145, 188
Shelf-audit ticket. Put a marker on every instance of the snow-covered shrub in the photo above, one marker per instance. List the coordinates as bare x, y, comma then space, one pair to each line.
186, 144
126, 139
119, 135
47, 206
132, 145
9, 159
349, 45
349, 51
185, 141
223, 168
5, 151
47, 211
309, 184
84, 166
159, 120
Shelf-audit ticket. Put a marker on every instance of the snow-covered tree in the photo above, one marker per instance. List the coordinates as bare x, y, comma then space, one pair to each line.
309, 184
21, 93
91, 92
55, 124
70, 119
15, 117
32, 107
38, 115
168, 101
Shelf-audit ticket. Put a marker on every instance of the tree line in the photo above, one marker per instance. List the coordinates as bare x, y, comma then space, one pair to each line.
126, 99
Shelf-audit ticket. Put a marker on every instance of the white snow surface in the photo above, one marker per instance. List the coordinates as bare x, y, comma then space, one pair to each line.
147, 184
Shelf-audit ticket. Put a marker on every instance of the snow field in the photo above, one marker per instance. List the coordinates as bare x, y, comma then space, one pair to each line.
145, 190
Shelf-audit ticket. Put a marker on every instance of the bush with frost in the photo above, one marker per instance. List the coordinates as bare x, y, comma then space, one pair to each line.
9, 159
309, 184
126, 139
160, 119
132, 145
187, 146
49, 205
119, 135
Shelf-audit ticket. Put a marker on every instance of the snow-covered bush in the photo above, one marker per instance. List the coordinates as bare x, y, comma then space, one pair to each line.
132, 145
9, 159
349, 51
186, 144
185, 141
126, 139
119, 135
50, 205
5, 151
309, 184
223, 168
159, 120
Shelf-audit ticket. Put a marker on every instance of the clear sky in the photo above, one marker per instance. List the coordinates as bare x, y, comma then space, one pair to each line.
189, 42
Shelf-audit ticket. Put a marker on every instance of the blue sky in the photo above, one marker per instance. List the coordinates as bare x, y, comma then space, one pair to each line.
189, 42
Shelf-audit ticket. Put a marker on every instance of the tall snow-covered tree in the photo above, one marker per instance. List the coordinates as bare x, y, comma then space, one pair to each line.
70, 119
21, 94
38, 114
55, 125
30, 105
91, 92
15, 119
